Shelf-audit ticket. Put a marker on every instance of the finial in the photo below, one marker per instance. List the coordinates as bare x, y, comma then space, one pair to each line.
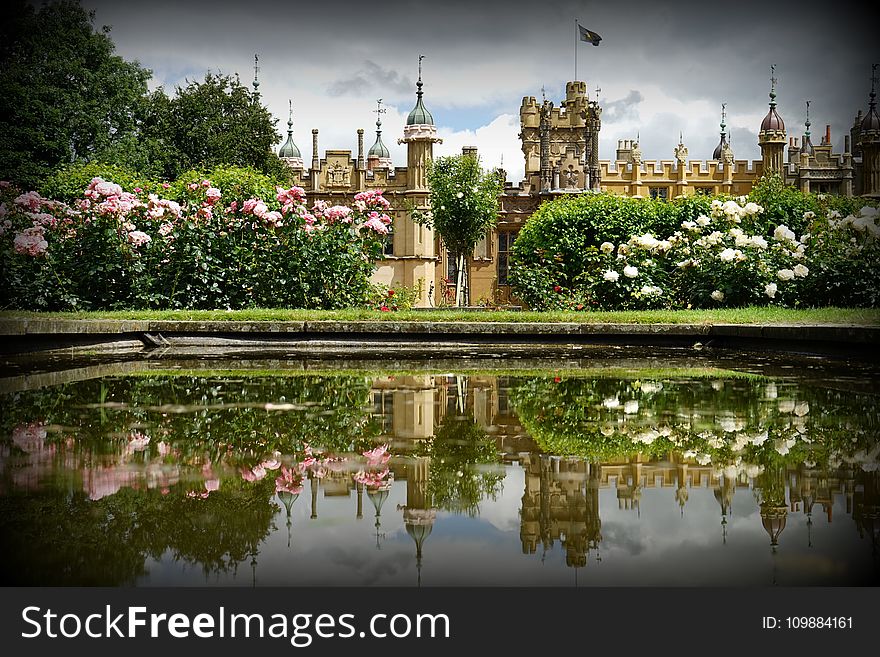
873, 81
256, 73
807, 123
419, 83
543, 94
773, 85
598, 89
680, 138
289, 114
379, 112
723, 117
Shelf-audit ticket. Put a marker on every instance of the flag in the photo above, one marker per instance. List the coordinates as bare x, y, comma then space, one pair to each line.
589, 35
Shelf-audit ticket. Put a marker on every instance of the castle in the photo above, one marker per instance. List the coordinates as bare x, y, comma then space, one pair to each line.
561, 150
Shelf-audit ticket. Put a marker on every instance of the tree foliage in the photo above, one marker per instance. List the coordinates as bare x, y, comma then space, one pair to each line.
464, 203
217, 121
64, 95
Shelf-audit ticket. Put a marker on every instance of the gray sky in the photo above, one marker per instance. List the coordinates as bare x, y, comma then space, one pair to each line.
662, 67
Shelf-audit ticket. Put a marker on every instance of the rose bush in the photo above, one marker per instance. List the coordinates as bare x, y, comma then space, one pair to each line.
115, 249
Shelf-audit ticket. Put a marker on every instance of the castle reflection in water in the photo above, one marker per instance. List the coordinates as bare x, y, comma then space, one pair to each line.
560, 500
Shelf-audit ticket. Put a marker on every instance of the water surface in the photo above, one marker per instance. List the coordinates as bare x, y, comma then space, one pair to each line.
741, 475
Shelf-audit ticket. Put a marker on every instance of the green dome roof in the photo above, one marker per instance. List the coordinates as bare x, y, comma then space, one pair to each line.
378, 149
419, 114
289, 149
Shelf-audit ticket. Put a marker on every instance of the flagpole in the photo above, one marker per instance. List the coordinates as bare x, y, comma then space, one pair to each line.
575, 49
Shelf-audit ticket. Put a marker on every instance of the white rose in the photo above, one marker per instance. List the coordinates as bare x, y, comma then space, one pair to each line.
631, 407
611, 402
801, 270
785, 274
611, 275
630, 272
727, 255
759, 241
770, 290
718, 295
783, 233
702, 220
606, 247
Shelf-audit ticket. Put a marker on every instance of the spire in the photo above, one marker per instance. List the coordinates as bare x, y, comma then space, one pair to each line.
289, 150
716, 154
807, 145
872, 119
378, 150
419, 114
256, 74
773, 85
773, 122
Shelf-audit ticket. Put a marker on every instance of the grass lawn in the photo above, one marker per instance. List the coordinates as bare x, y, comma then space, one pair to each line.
755, 315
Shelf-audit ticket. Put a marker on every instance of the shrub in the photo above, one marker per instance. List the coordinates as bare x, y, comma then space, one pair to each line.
844, 255
730, 255
68, 182
557, 246
115, 249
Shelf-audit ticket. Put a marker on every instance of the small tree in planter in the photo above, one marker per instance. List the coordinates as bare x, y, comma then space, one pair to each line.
464, 205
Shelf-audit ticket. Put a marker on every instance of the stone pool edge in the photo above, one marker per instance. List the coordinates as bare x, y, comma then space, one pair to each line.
39, 335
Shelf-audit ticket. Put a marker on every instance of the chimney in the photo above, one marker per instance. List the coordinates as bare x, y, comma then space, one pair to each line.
469, 151
846, 144
828, 134
360, 163
316, 163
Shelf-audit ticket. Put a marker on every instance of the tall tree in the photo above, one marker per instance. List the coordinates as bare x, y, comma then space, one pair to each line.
64, 95
218, 121
464, 205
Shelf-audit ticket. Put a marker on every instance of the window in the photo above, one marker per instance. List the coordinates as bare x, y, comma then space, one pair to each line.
451, 268
481, 250
505, 241
704, 191
659, 192
388, 247
383, 409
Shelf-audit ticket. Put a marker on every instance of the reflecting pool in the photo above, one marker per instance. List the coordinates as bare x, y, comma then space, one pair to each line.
642, 475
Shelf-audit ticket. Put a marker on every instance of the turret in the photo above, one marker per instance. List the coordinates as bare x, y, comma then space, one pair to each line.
771, 138
379, 156
289, 152
869, 142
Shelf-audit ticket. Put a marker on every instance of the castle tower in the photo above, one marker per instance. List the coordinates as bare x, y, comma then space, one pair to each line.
419, 135
413, 241
289, 153
869, 143
771, 138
